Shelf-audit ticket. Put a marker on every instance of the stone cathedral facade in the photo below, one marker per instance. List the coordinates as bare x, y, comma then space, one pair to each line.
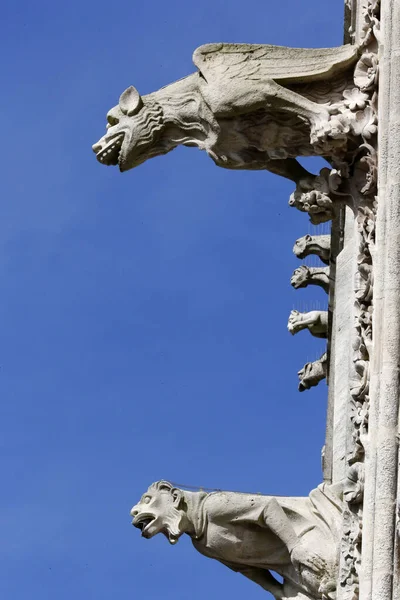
261, 107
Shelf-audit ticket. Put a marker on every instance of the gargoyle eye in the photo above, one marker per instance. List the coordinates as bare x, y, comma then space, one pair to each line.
111, 120
146, 499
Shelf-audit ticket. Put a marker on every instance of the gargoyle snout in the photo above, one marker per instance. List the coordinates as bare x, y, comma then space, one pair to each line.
134, 512
97, 147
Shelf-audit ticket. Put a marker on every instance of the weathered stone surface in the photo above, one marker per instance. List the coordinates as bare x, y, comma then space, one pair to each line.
341, 341
254, 534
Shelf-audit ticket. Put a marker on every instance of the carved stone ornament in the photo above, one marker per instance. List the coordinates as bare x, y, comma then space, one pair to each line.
351, 554
316, 196
313, 244
253, 535
248, 106
362, 185
316, 321
312, 373
304, 276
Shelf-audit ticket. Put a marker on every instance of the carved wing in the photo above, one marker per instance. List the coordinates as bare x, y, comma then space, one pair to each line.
223, 62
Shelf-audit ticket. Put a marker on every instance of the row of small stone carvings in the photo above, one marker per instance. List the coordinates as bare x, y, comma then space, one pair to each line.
312, 373
316, 321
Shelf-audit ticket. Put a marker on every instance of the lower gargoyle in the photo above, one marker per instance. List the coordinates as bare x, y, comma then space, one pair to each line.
298, 538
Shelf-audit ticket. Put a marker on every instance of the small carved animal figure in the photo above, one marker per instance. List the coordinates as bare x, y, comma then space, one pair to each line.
313, 244
316, 321
304, 276
249, 107
312, 373
318, 197
252, 534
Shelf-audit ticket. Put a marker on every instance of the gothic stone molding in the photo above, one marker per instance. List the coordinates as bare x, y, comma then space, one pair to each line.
362, 185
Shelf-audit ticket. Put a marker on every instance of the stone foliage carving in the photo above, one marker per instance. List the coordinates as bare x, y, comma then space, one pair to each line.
254, 534
249, 107
304, 276
316, 321
313, 244
354, 485
351, 555
362, 184
312, 373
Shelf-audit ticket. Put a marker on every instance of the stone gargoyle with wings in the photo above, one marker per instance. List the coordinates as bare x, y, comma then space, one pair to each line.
248, 106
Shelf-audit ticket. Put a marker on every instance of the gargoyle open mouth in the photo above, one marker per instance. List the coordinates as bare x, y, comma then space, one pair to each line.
142, 522
109, 155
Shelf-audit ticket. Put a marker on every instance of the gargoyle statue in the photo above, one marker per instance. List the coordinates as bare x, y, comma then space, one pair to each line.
304, 276
316, 321
298, 538
248, 106
312, 373
313, 244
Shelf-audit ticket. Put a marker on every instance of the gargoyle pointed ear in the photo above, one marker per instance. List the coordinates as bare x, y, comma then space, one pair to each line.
130, 101
177, 496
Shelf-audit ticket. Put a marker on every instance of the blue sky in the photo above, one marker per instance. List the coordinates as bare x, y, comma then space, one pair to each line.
143, 315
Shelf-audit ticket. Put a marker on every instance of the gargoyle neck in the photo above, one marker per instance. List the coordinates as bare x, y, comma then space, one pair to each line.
195, 513
320, 276
187, 119
321, 248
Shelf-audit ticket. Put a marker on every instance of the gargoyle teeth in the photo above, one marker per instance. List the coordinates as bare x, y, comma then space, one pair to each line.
110, 153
